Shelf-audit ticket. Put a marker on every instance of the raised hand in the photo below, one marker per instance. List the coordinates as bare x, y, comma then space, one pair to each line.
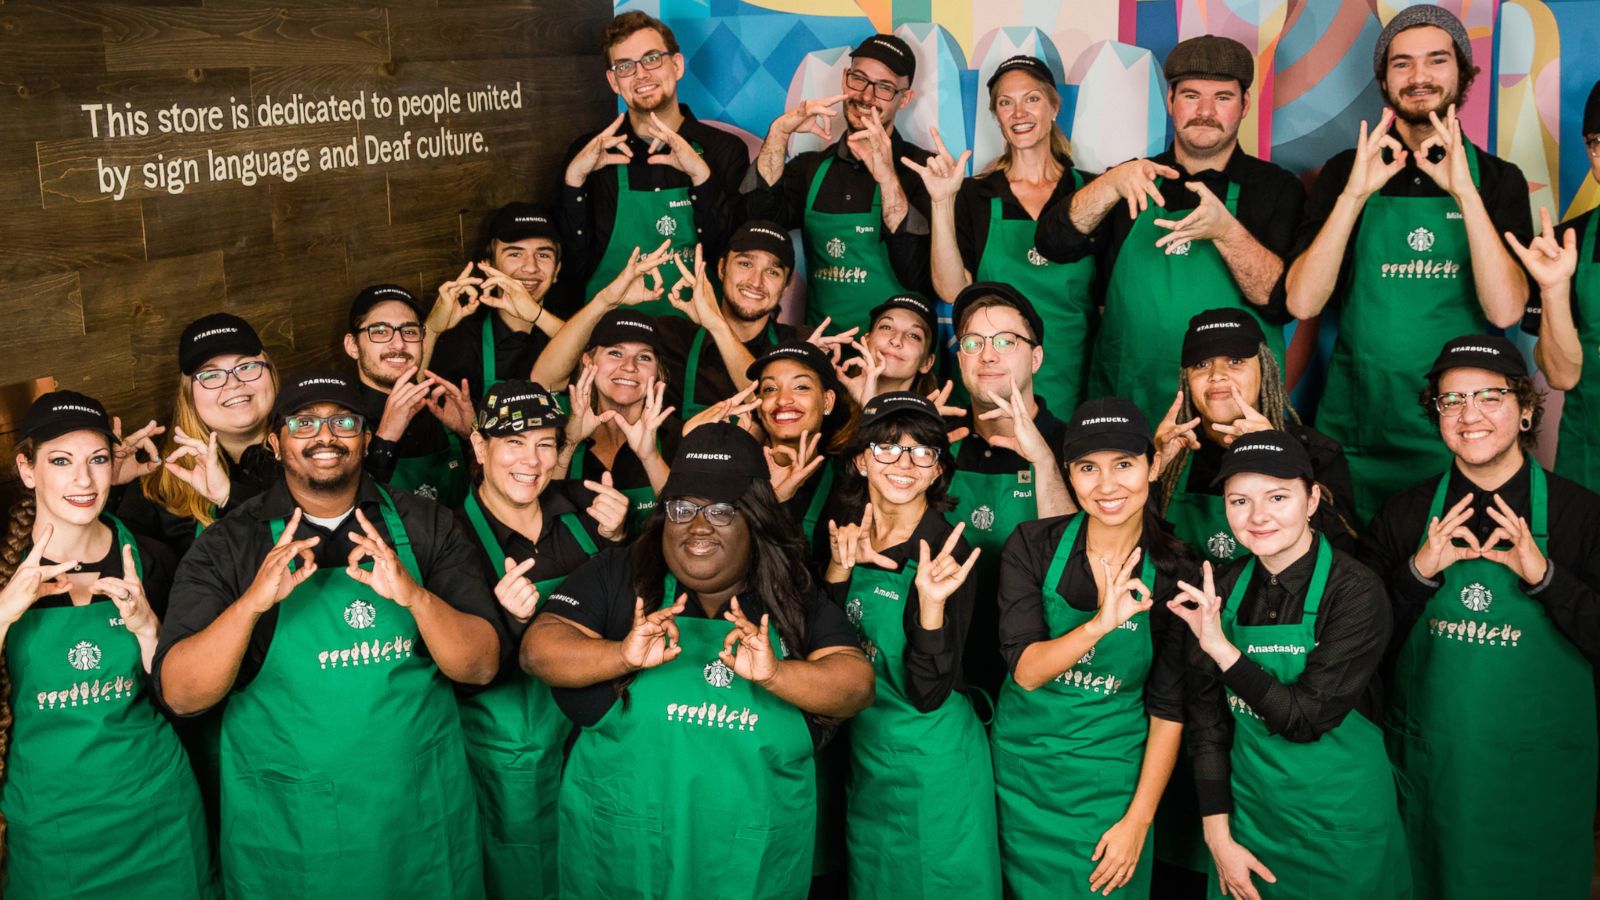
640, 280
941, 401
1172, 436
701, 307
871, 145
583, 420
681, 155
811, 116
740, 405
1249, 421
1440, 552
609, 509
277, 576
939, 578
452, 404
747, 650
1201, 609
860, 374
126, 465
1524, 558
1135, 182
1025, 439
457, 299
388, 578
1368, 172
653, 639
1549, 262
604, 149
1453, 174
1124, 595
517, 595
128, 594
1210, 221
503, 292
208, 474
407, 398
852, 545
831, 344
33, 580
943, 173
796, 466
641, 435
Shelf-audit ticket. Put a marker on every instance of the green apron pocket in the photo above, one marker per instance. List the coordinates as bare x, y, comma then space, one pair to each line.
290, 832
627, 845
36, 862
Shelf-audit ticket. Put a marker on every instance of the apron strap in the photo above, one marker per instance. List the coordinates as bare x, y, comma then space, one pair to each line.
1319, 579
1541, 506
816, 181
669, 592
489, 366
579, 453
1058, 560
1232, 200
578, 533
1472, 162
691, 370
397, 529
480, 527
125, 539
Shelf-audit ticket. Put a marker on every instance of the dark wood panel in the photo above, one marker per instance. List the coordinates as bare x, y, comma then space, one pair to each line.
416, 255
44, 38
39, 241
312, 214
182, 225
275, 290
494, 33
45, 325
164, 38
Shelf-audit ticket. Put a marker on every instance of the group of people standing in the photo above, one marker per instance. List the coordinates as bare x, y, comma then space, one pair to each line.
640, 592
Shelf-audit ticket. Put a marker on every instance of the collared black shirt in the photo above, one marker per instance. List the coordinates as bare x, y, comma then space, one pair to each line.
1329, 468
972, 210
256, 470
589, 213
932, 658
459, 351
1271, 202
1025, 562
848, 188
224, 561
600, 597
713, 384
977, 455
425, 435
1340, 675
1571, 592
627, 470
1534, 313
1500, 183
155, 559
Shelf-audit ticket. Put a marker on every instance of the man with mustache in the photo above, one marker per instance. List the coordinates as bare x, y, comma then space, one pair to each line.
1202, 226
863, 215
654, 173
332, 615
1405, 231
422, 455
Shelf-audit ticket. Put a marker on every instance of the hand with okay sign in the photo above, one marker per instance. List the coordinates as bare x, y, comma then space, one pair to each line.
939, 578
1210, 221
1124, 595
1173, 436
388, 578
278, 575
517, 595
747, 650
653, 639
1201, 609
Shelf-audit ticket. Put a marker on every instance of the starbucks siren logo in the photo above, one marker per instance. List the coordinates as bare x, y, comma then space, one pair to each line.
1420, 240
717, 674
1476, 597
1221, 545
84, 656
426, 491
666, 226
852, 611
1035, 258
835, 248
983, 518
1179, 248
360, 614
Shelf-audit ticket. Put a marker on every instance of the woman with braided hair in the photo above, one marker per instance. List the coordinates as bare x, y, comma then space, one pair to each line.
98, 800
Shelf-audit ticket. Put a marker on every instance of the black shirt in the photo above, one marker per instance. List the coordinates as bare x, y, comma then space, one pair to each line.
155, 560
1329, 468
224, 561
589, 213
1534, 314
256, 470
849, 188
713, 384
459, 351
1271, 202
1340, 675
932, 658
425, 435
600, 597
972, 210
1025, 562
1501, 185
1571, 592
627, 470
977, 455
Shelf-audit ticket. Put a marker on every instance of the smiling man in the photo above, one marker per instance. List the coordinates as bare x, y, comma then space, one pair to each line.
343, 767
1202, 226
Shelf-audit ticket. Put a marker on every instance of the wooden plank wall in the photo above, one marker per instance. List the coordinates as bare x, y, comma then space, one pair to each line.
93, 291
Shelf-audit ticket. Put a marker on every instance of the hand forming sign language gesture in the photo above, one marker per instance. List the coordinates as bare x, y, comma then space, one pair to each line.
1124, 596
681, 156
126, 452
208, 474
278, 573
795, 466
517, 595
748, 650
1551, 263
604, 149
1453, 174
1368, 172
851, 545
938, 578
1439, 551
388, 578
943, 173
1172, 436
33, 580
653, 639
1210, 221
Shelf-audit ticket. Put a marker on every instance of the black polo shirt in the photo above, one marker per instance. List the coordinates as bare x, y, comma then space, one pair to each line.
589, 213
459, 351
1534, 314
1341, 669
256, 470
713, 384
976, 455
627, 470
224, 562
1025, 562
155, 558
600, 597
425, 435
972, 210
849, 188
1271, 202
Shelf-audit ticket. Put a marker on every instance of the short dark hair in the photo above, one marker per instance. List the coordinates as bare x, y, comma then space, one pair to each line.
1529, 399
853, 493
626, 25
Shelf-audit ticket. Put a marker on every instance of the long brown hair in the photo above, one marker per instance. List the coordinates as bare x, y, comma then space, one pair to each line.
167, 490
13, 548
1060, 147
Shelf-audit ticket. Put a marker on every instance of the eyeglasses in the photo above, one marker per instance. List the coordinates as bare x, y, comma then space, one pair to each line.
883, 90
972, 343
214, 379
1454, 403
922, 456
682, 512
342, 425
651, 61
383, 332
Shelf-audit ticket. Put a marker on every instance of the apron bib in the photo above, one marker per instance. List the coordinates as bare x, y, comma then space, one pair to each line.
1060, 292
698, 787
1067, 756
1411, 289
691, 375
992, 505
1322, 815
1576, 456
1150, 298
914, 773
849, 270
1492, 724
643, 219
98, 793
343, 770
1201, 521
515, 737
641, 500
440, 477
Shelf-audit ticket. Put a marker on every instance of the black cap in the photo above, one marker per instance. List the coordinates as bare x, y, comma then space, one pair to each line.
717, 462
383, 293
516, 405
1012, 297
63, 412
1480, 351
1221, 332
209, 337
891, 51
760, 234
519, 221
898, 403
1109, 423
1274, 453
1022, 62
913, 303
1210, 56
802, 352
1591, 112
314, 386
625, 326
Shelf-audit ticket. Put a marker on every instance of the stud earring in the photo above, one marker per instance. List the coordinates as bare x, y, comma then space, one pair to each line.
1526, 424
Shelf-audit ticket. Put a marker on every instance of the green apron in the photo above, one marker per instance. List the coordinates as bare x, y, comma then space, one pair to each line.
515, 738
1492, 723
644, 219
1411, 290
992, 505
848, 268
440, 476
491, 364
98, 793
832, 759
691, 373
914, 773
1062, 293
697, 786
1067, 756
1149, 301
1577, 457
641, 500
1201, 520
1321, 816
343, 767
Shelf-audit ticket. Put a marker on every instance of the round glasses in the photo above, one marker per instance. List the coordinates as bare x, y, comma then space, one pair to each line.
214, 379
1455, 403
972, 343
341, 425
682, 512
